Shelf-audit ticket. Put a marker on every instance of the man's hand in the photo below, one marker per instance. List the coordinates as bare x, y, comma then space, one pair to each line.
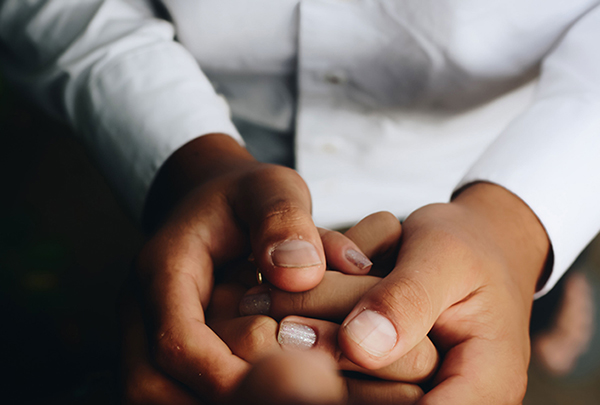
213, 204
466, 274
216, 204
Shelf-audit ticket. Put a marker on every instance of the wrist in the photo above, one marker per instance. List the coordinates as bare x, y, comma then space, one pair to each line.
201, 160
512, 227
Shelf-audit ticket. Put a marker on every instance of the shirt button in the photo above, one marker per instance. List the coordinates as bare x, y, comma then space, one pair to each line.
337, 77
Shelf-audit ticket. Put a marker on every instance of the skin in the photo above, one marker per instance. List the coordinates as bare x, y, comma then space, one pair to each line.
211, 204
466, 273
280, 372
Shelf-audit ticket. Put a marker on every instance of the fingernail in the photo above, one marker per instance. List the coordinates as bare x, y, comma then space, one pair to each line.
296, 336
358, 259
257, 304
295, 253
373, 332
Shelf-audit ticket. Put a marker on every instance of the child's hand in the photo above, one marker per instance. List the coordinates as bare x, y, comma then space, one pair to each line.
466, 274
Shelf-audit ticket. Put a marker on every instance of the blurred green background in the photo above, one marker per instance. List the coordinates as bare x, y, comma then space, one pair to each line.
65, 248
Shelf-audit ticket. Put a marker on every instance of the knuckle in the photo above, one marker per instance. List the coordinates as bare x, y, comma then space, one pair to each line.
300, 301
259, 334
290, 303
284, 211
410, 300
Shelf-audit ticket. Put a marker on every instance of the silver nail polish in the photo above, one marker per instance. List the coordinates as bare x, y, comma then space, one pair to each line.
358, 259
296, 336
258, 304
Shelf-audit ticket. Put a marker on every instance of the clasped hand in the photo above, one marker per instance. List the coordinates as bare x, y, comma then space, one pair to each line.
465, 276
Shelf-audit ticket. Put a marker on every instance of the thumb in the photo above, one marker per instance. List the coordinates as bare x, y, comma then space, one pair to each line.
275, 203
398, 312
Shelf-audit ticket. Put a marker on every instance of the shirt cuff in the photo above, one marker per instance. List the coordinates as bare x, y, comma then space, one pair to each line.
147, 105
548, 158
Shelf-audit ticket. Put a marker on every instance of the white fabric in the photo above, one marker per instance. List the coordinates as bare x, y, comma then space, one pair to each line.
397, 100
114, 72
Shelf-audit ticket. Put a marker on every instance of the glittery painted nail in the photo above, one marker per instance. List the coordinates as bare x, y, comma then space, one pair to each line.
256, 304
358, 259
296, 336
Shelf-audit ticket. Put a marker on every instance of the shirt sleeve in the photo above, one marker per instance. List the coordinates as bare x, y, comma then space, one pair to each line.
550, 155
113, 72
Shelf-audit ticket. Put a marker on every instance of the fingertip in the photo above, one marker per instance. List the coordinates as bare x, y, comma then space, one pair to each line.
376, 234
361, 263
368, 338
343, 254
295, 265
295, 280
296, 335
274, 203
295, 254
256, 301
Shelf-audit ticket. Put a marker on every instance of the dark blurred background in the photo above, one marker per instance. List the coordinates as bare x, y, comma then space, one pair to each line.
65, 248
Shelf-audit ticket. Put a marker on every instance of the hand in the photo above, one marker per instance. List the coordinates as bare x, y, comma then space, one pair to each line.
466, 274
377, 235
214, 204
253, 338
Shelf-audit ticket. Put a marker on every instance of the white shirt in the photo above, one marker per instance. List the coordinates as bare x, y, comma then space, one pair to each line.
399, 102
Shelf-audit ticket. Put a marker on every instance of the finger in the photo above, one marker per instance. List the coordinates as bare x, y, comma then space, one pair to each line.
254, 337
377, 235
275, 203
176, 284
297, 333
141, 382
343, 254
332, 299
249, 337
189, 350
367, 392
397, 313
224, 302
292, 378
